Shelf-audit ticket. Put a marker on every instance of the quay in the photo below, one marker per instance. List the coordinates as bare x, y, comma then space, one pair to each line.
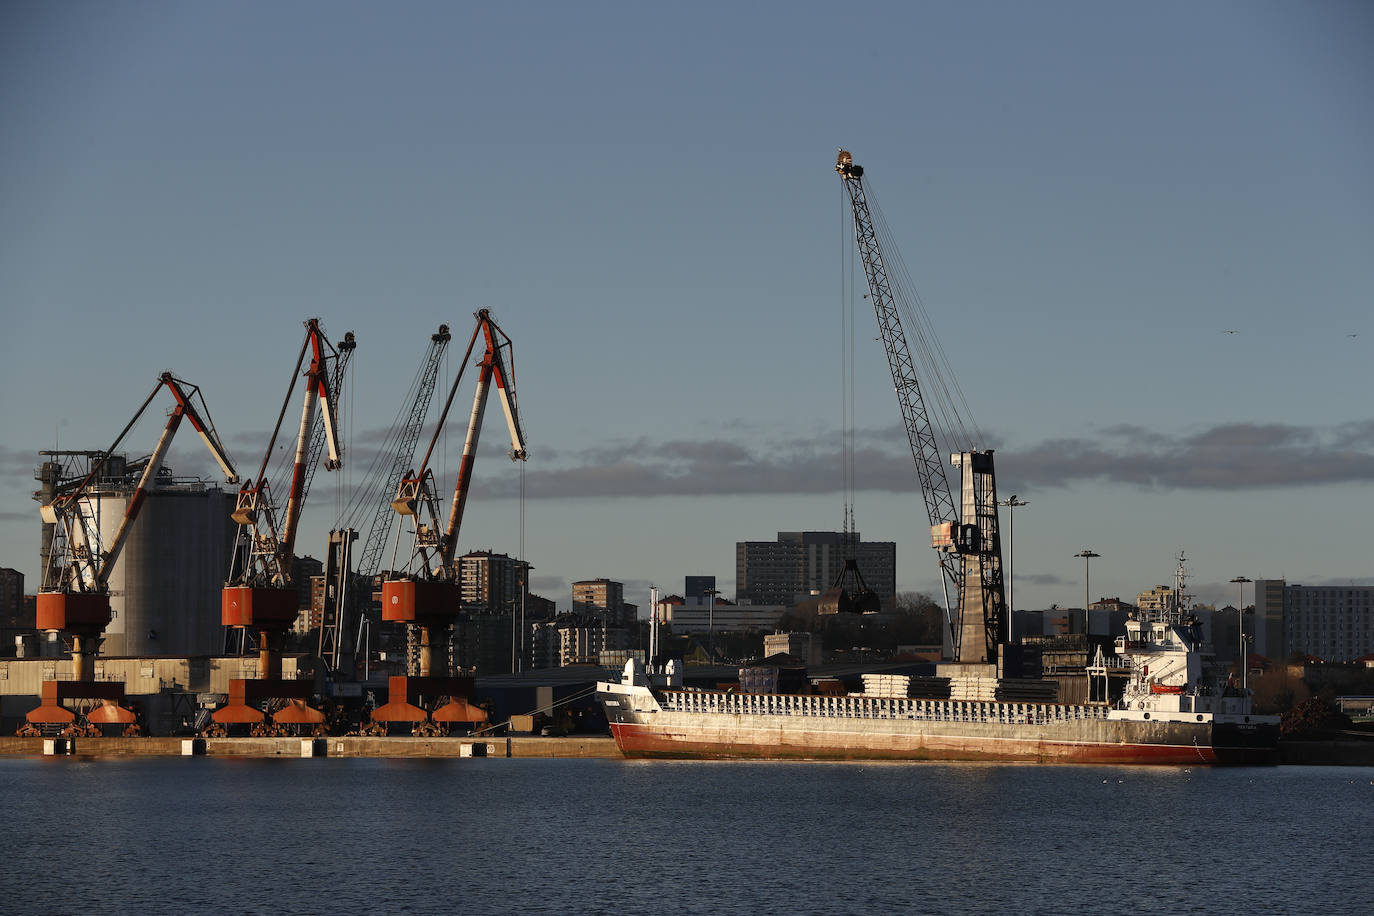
587, 746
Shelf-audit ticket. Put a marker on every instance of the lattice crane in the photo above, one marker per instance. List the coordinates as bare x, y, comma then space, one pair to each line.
965, 535
75, 597
334, 626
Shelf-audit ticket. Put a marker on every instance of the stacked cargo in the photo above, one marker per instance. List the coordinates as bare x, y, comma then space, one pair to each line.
980, 689
886, 685
1006, 690
1027, 690
902, 686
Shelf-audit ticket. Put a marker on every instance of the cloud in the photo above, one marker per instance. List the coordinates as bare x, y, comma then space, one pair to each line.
1234, 456
1040, 579
748, 462
1226, 457
15, 461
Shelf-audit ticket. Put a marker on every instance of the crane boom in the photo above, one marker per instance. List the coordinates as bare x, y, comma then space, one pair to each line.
965, 534
265, 546
405, 451
493, 367
345, 350
341, 596
317, 394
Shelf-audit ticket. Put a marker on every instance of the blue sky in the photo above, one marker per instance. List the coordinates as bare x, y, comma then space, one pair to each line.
1088, 196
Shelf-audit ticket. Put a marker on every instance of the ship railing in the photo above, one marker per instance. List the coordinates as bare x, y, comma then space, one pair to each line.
866, 707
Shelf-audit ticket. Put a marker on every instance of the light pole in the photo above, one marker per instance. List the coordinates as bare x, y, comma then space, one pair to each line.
1239, 582
1087, 556
711, 622
1012, 503
517, 618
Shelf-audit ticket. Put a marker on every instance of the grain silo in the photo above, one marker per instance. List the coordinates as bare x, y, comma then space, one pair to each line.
165, 589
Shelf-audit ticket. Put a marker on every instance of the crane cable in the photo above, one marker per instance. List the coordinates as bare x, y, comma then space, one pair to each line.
951, 415
364, 496
848, 280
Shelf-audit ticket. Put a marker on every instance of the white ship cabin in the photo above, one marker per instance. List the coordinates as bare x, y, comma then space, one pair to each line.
1166, 655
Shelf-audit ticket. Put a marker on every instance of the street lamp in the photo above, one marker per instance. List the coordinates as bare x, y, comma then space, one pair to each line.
1011, 502
1087, 556
1239, 582
517, 618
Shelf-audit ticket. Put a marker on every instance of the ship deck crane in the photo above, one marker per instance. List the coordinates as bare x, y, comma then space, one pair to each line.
261, 594
75, 598
427, 597
966, 535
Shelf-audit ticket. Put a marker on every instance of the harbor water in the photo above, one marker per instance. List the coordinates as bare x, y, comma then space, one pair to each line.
175, 835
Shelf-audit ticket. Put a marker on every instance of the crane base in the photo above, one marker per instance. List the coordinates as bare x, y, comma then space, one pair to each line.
244, 695
404, 695
52, 712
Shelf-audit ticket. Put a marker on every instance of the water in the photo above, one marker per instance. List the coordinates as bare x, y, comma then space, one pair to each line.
618, 837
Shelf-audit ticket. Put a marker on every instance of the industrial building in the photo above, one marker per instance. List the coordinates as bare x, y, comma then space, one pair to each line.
802, 563
693, 619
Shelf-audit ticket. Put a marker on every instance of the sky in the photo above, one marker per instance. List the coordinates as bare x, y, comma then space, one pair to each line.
1142, 233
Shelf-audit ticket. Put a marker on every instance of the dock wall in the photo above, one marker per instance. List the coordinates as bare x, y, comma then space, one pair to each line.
586, 747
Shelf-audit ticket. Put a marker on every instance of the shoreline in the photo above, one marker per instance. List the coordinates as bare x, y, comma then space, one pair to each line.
589, 746
1290, 753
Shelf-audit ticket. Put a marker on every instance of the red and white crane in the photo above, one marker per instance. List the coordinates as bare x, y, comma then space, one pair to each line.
426, 595
75, 597
261, 593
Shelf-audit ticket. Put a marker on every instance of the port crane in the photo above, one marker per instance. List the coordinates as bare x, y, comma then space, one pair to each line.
75, 597
426, 596
965, 534
261, 593
341, 596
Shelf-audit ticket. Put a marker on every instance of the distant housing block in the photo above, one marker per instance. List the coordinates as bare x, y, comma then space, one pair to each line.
801, 562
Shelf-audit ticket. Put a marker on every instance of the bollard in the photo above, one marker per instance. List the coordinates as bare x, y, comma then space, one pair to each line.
59, 747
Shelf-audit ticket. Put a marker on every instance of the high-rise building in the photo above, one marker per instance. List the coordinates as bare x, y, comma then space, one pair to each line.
799, 563
1269, 618
11, 593
1332, 622
696, 588
605, 597
489, 582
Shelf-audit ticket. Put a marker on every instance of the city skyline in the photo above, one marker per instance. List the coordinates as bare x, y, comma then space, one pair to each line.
1140, 234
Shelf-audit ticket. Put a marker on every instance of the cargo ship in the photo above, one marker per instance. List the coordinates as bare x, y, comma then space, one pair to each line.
1170, 712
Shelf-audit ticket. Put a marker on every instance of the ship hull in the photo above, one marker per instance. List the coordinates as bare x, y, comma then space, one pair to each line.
721, 735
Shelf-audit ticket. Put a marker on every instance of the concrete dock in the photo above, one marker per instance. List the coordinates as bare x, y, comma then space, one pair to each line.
576, 746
